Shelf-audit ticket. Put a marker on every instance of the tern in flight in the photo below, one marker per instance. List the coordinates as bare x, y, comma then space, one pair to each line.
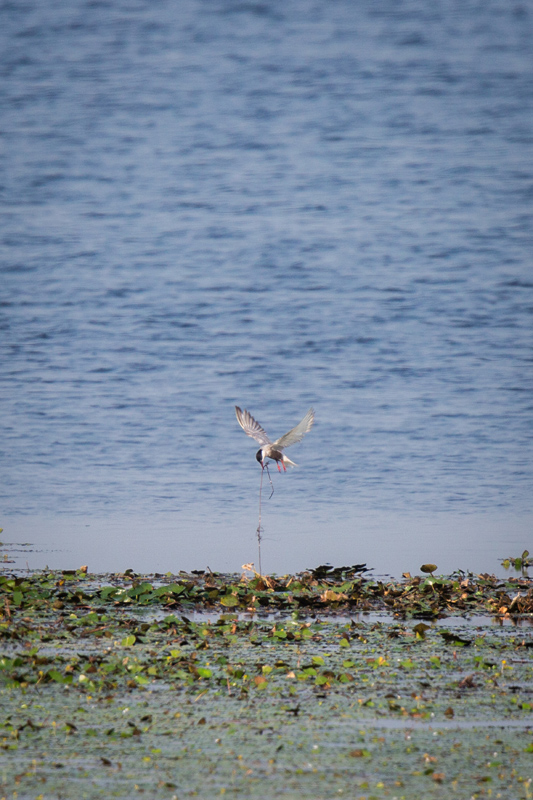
274, 450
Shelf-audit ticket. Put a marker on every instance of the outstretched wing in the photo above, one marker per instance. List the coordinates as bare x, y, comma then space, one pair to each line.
297, 433
251, 427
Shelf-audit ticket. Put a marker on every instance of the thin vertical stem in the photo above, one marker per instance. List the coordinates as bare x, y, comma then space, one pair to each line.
259, 527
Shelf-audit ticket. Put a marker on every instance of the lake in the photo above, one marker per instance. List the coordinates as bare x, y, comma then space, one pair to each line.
277, 206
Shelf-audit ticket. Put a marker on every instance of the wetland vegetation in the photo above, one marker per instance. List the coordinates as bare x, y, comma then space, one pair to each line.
326, 684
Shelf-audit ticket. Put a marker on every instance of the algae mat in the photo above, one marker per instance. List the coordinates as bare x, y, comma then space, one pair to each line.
104, 694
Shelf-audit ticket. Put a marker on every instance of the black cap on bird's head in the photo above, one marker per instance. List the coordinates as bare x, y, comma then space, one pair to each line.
259, 456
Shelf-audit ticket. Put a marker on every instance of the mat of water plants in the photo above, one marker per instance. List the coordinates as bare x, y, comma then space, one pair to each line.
321, 685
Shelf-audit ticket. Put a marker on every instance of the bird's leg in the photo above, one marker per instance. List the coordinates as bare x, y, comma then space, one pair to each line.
278, 466
284, 467
270, 479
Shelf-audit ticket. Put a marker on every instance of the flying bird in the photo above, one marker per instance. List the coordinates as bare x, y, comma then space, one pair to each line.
274, 450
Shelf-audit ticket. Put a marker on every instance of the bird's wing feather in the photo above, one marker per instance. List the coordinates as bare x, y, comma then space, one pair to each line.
297, 433
251, 427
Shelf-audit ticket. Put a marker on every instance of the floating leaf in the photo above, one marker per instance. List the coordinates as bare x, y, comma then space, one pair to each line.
58, 677
453, 638
346, 677
204, 672
229, 600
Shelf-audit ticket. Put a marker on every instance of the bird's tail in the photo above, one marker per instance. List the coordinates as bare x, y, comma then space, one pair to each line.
287, 461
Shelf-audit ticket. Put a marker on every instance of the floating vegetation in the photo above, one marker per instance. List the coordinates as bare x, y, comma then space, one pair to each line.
207, 684
335, 590
520, 563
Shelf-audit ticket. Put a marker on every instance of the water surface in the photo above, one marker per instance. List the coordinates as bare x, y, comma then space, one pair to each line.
277, 206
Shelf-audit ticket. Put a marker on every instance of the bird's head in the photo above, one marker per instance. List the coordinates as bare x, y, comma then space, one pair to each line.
259, 456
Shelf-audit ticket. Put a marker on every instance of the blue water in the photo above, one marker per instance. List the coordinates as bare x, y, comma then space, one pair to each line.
275, 205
